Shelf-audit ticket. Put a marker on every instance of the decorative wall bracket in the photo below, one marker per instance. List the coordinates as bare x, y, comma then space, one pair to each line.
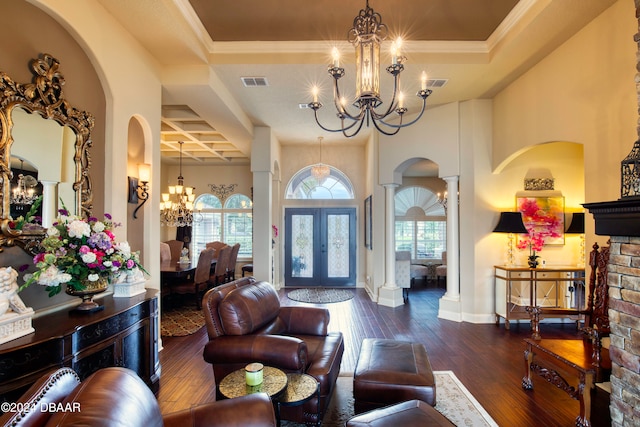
222, 191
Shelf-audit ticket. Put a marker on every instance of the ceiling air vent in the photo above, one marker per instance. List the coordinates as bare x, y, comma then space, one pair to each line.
436, 82
254, 81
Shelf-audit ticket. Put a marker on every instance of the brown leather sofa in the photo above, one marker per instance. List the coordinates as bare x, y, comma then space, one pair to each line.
117, 396
246, 323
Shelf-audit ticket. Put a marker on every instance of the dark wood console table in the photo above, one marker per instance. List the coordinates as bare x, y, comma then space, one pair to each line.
125, 334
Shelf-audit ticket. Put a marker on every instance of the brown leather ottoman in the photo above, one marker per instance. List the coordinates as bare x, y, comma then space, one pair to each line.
390, 371
414, 413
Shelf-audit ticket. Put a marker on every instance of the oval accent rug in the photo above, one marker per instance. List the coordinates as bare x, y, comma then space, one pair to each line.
320, 295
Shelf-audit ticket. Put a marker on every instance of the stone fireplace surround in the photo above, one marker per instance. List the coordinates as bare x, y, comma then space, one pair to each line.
621, 221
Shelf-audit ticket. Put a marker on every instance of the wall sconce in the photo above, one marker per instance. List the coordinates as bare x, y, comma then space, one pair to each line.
144, 176
510, 222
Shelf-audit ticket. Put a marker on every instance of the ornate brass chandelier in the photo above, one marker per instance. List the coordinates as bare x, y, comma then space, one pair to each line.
179, 211
366, 35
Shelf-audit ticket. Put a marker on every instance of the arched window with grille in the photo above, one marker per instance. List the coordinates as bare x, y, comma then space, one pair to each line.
230, 223
304, 185
420, 222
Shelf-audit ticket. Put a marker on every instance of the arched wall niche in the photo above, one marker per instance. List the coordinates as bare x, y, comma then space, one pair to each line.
83, 87
564, 162
135, 155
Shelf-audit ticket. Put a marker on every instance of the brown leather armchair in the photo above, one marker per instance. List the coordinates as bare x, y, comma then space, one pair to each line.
246, 323
117, 396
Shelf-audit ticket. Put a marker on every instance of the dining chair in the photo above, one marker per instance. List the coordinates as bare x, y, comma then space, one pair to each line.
217, 245
176, 248
233, 258
165, 252
219, 275
200, 278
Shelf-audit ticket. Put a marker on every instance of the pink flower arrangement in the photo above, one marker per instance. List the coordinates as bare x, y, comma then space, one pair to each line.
275, 231
78, 250
542, 223
534, 242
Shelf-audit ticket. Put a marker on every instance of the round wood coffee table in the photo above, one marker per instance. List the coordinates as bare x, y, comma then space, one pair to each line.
300, 389
235, 385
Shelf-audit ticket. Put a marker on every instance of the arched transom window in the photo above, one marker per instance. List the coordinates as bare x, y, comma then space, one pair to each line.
304, 186
420, 223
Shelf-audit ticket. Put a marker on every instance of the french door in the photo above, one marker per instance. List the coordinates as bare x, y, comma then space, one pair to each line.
320, 247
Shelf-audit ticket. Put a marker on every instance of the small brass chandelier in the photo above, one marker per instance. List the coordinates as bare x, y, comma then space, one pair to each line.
366, 35
24, 191
179, 211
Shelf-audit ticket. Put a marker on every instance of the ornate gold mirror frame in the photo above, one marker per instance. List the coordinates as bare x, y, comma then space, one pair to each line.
42, 96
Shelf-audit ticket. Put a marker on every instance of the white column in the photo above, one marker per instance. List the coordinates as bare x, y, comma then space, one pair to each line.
262, 250
453, 239
390, 294
49, 199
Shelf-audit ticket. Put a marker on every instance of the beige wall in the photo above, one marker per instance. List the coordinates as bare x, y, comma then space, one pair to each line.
583, 92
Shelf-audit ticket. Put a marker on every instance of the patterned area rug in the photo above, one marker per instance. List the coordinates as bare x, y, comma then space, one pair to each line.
320, 295
181, 321
453, 401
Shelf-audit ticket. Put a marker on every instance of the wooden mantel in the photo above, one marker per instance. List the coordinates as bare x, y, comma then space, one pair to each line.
616, 218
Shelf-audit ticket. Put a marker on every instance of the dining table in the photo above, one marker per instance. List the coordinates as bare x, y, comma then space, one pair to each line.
172, 270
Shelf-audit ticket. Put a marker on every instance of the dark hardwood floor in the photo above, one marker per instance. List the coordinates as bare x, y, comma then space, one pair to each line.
486, 358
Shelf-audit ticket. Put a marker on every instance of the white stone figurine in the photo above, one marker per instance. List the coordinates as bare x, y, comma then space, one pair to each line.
9, 298
15, 317
130, 276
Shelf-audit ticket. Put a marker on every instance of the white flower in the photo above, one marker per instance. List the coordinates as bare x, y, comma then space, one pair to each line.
98, 227
79, 229
89, 257
124, 249
53, 277
107, 263
93, 277
53, 231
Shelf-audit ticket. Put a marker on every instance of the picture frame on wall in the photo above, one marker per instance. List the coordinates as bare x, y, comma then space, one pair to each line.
368, 243
543, 217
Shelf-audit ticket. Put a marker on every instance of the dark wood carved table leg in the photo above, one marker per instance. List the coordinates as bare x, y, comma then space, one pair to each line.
585, 375
534, 313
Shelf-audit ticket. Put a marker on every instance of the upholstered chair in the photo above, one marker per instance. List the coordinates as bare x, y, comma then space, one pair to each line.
165, 252
403, 272
233, 259
117, 396
220, 271
217, 245
200, 279
441, 270
176, 248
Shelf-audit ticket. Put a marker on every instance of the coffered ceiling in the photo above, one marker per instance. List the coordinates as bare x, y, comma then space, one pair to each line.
206, 47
